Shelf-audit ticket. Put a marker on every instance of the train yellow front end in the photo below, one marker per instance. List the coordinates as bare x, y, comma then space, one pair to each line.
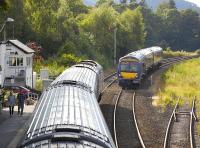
129, 71
128, 75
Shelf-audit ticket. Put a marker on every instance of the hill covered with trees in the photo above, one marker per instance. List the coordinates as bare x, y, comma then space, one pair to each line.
180, 4
153, 4
71, 29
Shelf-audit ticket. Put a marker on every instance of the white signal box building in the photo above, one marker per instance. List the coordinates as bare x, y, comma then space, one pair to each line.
16, 64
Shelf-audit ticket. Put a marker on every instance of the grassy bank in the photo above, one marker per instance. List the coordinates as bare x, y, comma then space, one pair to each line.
169, 53
182, 80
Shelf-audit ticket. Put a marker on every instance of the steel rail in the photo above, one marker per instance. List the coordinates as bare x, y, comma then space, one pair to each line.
169, 124
106, 87
192, 116
114, 118
168, 61
173, 60
136, 123
109, 76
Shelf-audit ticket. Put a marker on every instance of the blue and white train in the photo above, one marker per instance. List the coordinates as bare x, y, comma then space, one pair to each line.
133, 66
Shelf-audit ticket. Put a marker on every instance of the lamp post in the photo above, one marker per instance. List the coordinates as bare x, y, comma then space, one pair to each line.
4, 26
115, 46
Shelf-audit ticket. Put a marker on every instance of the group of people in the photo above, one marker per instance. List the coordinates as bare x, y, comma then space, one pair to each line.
12, 101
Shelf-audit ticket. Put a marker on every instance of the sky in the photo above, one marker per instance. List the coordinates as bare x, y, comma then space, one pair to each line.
195, 1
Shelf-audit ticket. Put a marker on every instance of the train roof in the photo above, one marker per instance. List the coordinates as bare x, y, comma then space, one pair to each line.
140, 54
156, 49
67, 112
83, 74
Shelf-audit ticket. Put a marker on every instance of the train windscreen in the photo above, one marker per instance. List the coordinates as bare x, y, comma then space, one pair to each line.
128, 66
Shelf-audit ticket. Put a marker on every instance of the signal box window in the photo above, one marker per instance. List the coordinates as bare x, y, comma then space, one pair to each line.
13, 61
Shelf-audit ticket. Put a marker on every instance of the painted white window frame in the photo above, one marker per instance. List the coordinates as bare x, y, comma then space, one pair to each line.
19, 61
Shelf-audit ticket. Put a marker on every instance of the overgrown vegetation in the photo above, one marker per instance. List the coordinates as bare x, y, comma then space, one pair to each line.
182, 81
56, 65
169, 53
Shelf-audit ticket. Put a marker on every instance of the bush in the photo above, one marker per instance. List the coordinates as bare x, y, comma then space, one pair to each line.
39, 85
169, 53
198, 51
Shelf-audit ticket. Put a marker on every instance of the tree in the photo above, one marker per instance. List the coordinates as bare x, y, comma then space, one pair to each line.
3, 5
153, 27
54, 22
170, 18
189, 30
104, 2
143, 3
131, 35
172, 4
123, 1
99, 23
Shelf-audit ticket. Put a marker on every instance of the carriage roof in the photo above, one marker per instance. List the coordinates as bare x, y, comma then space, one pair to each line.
139, 55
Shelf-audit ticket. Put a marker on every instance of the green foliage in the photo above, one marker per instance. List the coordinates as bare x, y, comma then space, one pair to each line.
198, 51
179, 28
68, 59
169, 53
56, 65
70, 27
181, 80
99, 24
131, 34
39, 85
104, 2
54, 68
3, 5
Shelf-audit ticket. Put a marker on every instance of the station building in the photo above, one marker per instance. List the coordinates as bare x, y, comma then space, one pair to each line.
16, 64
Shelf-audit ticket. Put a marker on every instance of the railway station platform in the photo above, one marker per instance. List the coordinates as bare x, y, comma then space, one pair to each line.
13, 129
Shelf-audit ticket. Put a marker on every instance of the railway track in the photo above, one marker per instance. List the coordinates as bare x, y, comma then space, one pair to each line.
125, 127
196, 124
109, 76
169, 61
108, 81
108, 97
179, 131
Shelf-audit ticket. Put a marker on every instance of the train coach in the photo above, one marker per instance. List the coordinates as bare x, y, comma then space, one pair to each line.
133, 66
68, 114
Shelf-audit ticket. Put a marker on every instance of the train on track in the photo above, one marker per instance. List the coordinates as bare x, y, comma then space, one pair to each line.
133, 66
68, 114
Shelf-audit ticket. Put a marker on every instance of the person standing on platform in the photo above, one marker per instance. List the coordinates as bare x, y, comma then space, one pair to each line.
11, 103
21, 100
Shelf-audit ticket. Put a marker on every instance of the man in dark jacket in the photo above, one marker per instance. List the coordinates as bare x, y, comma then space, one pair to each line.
21, 98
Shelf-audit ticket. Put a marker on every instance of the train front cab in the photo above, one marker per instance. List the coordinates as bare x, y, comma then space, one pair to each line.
129, 72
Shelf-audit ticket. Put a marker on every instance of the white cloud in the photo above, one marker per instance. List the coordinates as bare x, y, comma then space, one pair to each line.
195, 1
